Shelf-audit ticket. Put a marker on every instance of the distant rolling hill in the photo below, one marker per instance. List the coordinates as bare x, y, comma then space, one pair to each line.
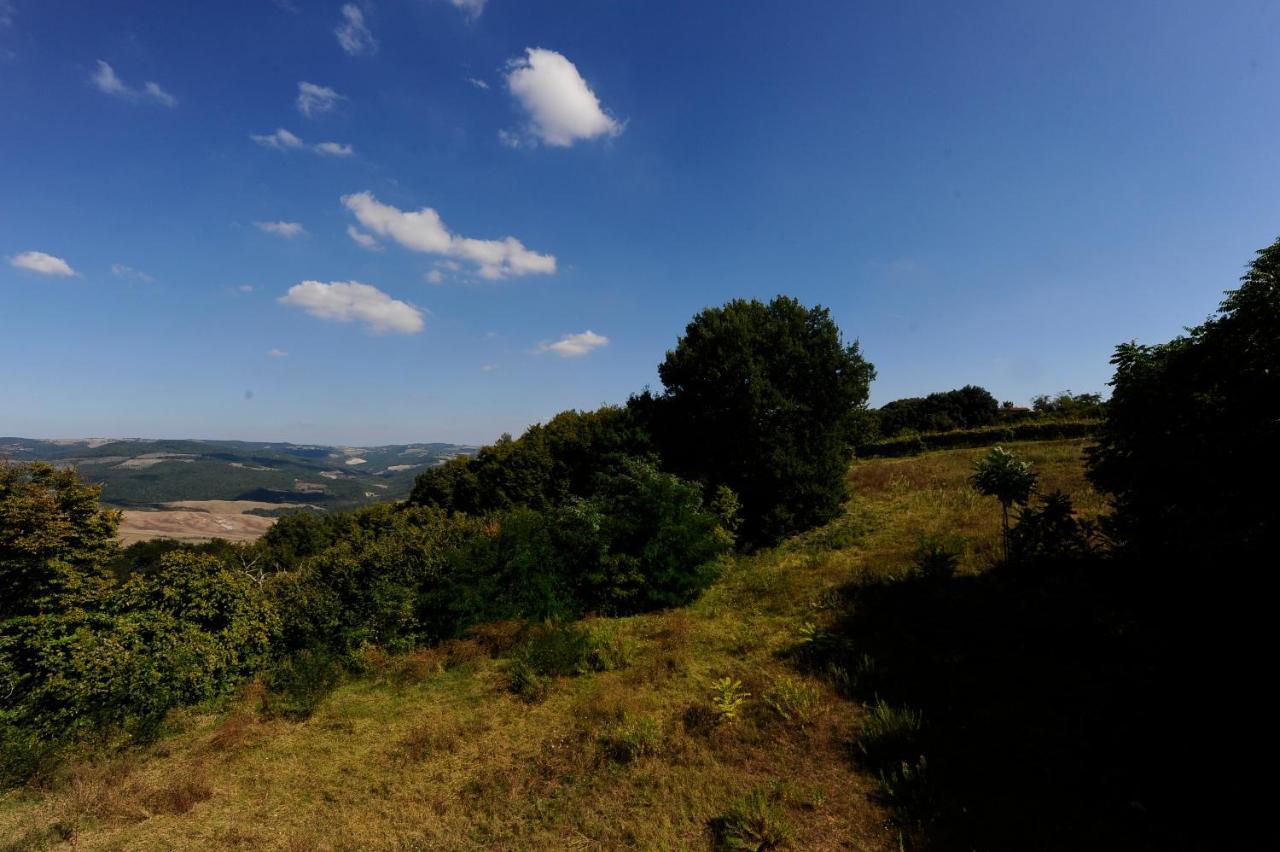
146, 473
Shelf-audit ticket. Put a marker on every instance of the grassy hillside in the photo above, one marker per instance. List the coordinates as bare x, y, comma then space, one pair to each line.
150, 473
435, 750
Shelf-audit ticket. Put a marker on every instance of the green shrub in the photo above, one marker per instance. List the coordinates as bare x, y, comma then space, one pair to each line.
298, 685
935, 561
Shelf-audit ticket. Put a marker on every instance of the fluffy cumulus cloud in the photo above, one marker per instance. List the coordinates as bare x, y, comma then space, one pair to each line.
353, 33
314, 99
42, 264
575, 345
288, 230
281, 140
351, 301
561, 106
423, 231
105, 79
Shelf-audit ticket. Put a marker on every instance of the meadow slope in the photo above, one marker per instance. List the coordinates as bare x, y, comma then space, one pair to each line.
433, 750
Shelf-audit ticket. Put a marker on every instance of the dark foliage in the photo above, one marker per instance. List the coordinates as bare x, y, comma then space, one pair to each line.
1192, 431
766, 399
1013, 709
966, 408
547, 465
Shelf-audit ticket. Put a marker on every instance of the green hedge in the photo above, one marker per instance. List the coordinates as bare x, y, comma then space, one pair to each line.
1032, 430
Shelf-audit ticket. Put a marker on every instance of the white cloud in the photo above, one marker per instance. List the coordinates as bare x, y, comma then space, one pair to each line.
351, 301
470, 8
478, 83
353, 34
314, 99
106, 80
575, 345
43, 264
245, 288
362, 239
510, 139
277, 353
159, 95
288, 230
435, 276
333, 149
280, 140
119, 270
423, 231
561, 106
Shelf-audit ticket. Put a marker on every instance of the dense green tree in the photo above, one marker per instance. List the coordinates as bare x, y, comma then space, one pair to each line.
765, 399
1191, 437
56, 540
545, 466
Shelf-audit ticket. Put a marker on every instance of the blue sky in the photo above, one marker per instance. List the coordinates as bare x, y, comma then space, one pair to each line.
988, 192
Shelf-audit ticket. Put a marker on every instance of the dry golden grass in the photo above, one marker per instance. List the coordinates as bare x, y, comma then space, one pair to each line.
431, 751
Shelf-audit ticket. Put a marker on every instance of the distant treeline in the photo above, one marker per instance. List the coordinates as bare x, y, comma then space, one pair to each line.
970, 408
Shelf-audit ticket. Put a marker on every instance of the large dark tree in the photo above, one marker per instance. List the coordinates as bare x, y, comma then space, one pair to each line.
1190, 447
765, 399
966, 408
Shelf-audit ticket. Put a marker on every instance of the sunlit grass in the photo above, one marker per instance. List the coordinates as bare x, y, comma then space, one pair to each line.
434, 750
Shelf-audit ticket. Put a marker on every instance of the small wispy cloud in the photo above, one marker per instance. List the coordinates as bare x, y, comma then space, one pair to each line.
470, 8
354, 34
434, 276
245, 288
365, 241
277, 353
478, 83
105, 79
42, 264
288, 230
333, 149
351, 301
575, 345
120, 270
314, 99
281, 140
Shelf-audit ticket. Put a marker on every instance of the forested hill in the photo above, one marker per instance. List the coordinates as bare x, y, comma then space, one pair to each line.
150, 472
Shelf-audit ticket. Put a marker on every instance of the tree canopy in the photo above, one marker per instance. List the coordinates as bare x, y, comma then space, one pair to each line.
766, 399
1193, 427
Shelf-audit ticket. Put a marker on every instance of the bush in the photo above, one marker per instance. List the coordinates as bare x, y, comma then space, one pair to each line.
298, 685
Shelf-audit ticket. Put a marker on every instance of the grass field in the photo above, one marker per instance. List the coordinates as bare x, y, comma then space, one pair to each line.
435, 751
